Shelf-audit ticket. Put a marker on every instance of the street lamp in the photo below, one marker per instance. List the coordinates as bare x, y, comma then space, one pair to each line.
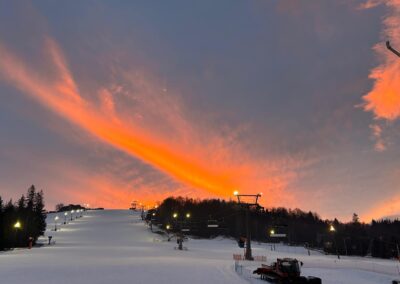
65, 217
272, 232
17, 225
72, 212
332, 230
168, 227
188, 215
55, 223
175, 215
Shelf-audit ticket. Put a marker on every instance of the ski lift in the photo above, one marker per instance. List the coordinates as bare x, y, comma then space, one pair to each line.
212, 224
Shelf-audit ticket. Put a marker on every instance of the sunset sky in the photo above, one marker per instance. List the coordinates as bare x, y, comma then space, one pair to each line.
105, 102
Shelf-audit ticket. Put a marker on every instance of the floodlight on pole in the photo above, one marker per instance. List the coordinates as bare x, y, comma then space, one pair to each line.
65, 217
188, 215
17, 225
55, 223
175, 215
272, 232
332, 229
168, 227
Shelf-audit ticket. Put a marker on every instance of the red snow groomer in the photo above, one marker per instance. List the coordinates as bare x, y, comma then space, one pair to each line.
285, 271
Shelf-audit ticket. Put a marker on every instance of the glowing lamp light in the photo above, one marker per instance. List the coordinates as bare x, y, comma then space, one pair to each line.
66, 213
272, 232
236, 193
168, 227
154, 214
187, 215
17, 225
56, 218
332, 228
72, 211
175, 215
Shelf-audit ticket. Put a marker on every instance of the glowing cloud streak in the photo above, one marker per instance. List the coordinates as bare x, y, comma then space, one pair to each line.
211, 166
63, 98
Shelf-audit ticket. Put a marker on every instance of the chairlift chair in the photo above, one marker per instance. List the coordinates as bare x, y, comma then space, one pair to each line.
212, 224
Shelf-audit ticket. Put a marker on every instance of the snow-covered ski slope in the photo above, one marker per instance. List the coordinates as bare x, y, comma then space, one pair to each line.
114, 246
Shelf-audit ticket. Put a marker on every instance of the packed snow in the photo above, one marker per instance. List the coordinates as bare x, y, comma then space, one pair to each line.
115, 246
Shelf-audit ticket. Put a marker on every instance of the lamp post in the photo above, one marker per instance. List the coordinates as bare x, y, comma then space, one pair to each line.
65, 217
153, 217
55, 223
72, 212
17, 226
167, 228
332, 230
252, 202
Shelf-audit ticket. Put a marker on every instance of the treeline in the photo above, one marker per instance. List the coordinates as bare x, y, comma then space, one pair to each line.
22, 222
60, 207
208, 218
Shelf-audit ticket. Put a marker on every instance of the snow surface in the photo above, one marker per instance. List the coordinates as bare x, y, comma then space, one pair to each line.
115, 246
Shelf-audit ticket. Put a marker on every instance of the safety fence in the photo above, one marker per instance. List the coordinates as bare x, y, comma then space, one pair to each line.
258, 258
387, 267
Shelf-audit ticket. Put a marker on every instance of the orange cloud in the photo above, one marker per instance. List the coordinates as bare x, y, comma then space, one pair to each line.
167, 141
384, 98
380, 144
387, 208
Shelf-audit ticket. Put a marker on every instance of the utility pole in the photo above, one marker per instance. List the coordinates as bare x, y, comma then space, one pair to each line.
248, 201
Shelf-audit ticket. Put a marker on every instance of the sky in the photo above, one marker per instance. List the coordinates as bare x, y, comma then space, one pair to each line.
106, 102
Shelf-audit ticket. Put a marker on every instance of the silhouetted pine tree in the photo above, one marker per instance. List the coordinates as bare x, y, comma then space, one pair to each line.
40, 215
1, 225
29, 212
